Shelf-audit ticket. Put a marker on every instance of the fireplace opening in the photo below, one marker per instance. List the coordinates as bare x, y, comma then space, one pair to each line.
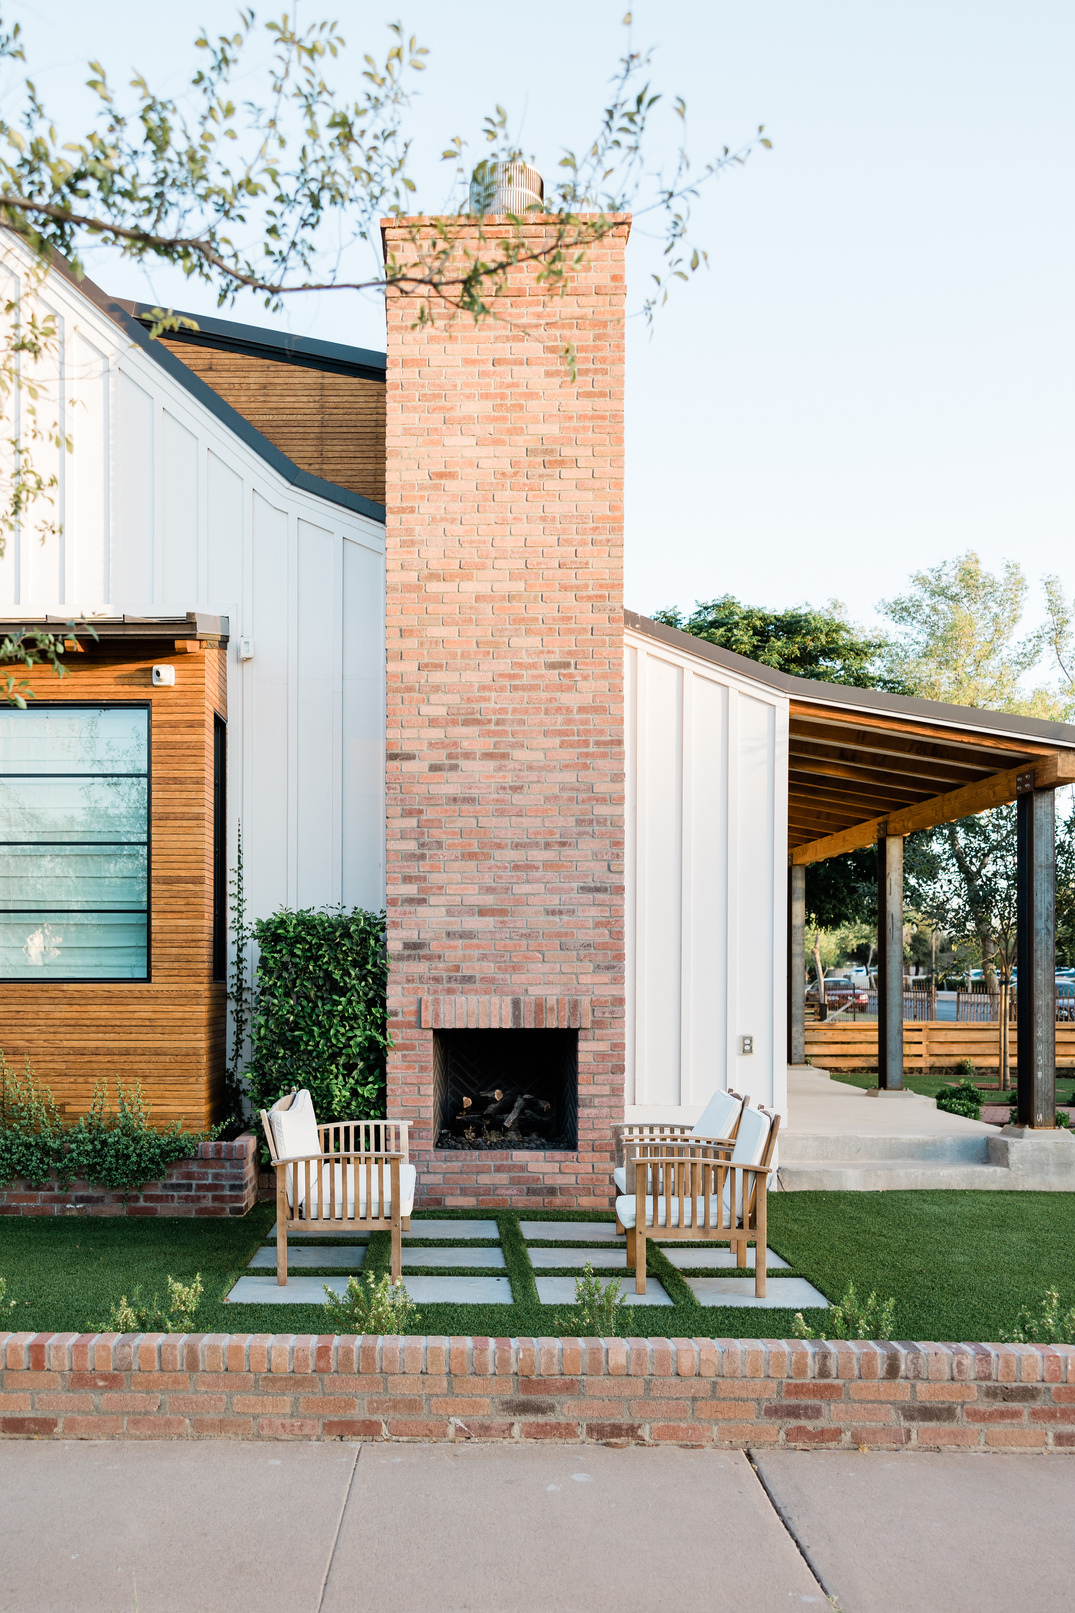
506, 1089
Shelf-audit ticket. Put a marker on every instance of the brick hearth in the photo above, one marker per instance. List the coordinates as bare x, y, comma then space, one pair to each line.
505, 795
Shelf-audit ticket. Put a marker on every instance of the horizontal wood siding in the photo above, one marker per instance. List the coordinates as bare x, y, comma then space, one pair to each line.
330, 425
927, 1045
168, 1032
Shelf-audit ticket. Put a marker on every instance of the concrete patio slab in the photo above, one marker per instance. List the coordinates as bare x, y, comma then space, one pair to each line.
319, 1232
781, 1293
571, 1232
719, 1259
608, 1531
606, 1259
893, 1533
452, 1230
459, 1290
298, 1290
561, 1291
310, 1254
493, 1258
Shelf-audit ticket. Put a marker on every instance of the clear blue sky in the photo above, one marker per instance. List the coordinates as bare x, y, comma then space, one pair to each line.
877, 372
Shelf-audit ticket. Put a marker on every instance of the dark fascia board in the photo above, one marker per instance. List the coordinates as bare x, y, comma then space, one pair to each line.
277, 345
842, 697
193, 624
235, 422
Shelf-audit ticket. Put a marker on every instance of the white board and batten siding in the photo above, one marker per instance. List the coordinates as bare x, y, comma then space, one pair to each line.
164, 510
706, 762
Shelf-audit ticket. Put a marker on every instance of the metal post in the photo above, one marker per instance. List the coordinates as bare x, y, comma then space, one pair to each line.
1036, 986
890, 963
796, 964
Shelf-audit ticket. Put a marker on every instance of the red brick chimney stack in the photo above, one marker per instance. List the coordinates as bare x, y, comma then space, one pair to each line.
505, 721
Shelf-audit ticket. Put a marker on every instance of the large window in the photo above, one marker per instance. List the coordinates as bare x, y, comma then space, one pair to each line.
74, 843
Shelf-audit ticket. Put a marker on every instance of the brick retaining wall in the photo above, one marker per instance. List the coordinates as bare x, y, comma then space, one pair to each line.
716, 1392
221, 1179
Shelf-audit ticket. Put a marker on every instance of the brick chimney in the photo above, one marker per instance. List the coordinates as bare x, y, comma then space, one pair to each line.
505, 719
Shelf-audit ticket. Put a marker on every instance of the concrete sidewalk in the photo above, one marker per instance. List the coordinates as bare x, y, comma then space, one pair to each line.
324, 1528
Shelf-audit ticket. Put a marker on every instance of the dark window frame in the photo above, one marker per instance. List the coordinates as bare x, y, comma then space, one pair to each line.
108, 980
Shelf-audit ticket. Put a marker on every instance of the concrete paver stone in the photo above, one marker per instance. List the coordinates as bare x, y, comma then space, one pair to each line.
716, 1259
561, 1291
781, 1293
571, 1232
342, 1257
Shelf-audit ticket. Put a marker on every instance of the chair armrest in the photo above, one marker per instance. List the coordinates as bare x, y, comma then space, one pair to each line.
337, 1159
626, 1131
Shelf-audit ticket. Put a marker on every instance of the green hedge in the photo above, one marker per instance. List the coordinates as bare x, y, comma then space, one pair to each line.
320, 1011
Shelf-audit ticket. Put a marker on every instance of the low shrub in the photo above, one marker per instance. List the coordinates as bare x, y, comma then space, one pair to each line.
371, 1305
131, 1316
601, 1305
1047, 1328
851, 1319
116, 1149
319, 1017
967, 1067
963, 1098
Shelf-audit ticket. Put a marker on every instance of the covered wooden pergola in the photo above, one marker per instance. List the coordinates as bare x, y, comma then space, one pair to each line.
866, 767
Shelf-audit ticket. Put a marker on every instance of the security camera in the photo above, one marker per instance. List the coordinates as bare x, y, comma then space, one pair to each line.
164, 677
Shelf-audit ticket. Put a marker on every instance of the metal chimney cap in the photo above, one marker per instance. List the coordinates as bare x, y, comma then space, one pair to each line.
506, 187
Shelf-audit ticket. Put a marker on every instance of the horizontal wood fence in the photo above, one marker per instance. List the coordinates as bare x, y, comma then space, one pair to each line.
927, 1045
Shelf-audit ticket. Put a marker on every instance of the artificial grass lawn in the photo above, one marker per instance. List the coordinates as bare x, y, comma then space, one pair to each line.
929, 1085
959, 1266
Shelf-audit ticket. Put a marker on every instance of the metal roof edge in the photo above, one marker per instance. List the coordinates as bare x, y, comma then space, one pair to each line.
846, 697
237, 423
281, 347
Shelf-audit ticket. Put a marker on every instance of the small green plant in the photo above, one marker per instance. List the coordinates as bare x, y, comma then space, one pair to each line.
851, 1319
1063, 1118
115, 1148
1047, 1328
131, 1316
963, 1098
967, 1067
602, 1305
372, 1305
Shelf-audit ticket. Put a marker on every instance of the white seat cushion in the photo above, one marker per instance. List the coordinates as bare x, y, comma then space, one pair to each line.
718, 1117
343, 1187
294, 1130
693, 1211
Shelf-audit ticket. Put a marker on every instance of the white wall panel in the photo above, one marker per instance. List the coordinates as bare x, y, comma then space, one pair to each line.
317, 736
135, 503
706, 848
363, 725
179, 550
165, 510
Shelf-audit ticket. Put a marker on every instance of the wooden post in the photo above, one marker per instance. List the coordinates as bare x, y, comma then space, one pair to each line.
890, 963
1036, 987
796, 964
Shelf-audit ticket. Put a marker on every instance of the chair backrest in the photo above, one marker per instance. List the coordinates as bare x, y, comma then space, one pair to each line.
765, 1161
752, 1137
721, 1115
291, 1127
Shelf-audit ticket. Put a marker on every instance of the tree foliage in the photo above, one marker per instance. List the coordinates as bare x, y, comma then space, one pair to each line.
959, 638
804, 641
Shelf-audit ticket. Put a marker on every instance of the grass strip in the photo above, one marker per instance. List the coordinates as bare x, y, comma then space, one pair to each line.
517, 1259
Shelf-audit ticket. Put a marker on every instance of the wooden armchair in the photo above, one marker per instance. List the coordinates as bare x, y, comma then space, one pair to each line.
339, 1177
702, 1192
718, 1122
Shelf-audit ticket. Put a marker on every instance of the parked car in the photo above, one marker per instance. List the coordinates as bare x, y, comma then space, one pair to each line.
840, 992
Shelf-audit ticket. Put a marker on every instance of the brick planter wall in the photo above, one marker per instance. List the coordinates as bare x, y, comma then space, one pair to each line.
712, 1392
221, 1179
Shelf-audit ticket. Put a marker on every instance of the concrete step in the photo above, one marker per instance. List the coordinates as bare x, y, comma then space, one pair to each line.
890, 1175
950, 1148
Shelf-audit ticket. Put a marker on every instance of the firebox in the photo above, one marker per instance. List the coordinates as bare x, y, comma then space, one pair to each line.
506, 1089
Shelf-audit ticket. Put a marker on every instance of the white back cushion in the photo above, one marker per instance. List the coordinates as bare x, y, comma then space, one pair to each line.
751, 1138
718, 1117
294, 1130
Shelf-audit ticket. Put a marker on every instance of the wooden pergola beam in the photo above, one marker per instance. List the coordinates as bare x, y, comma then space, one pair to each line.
999, 788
